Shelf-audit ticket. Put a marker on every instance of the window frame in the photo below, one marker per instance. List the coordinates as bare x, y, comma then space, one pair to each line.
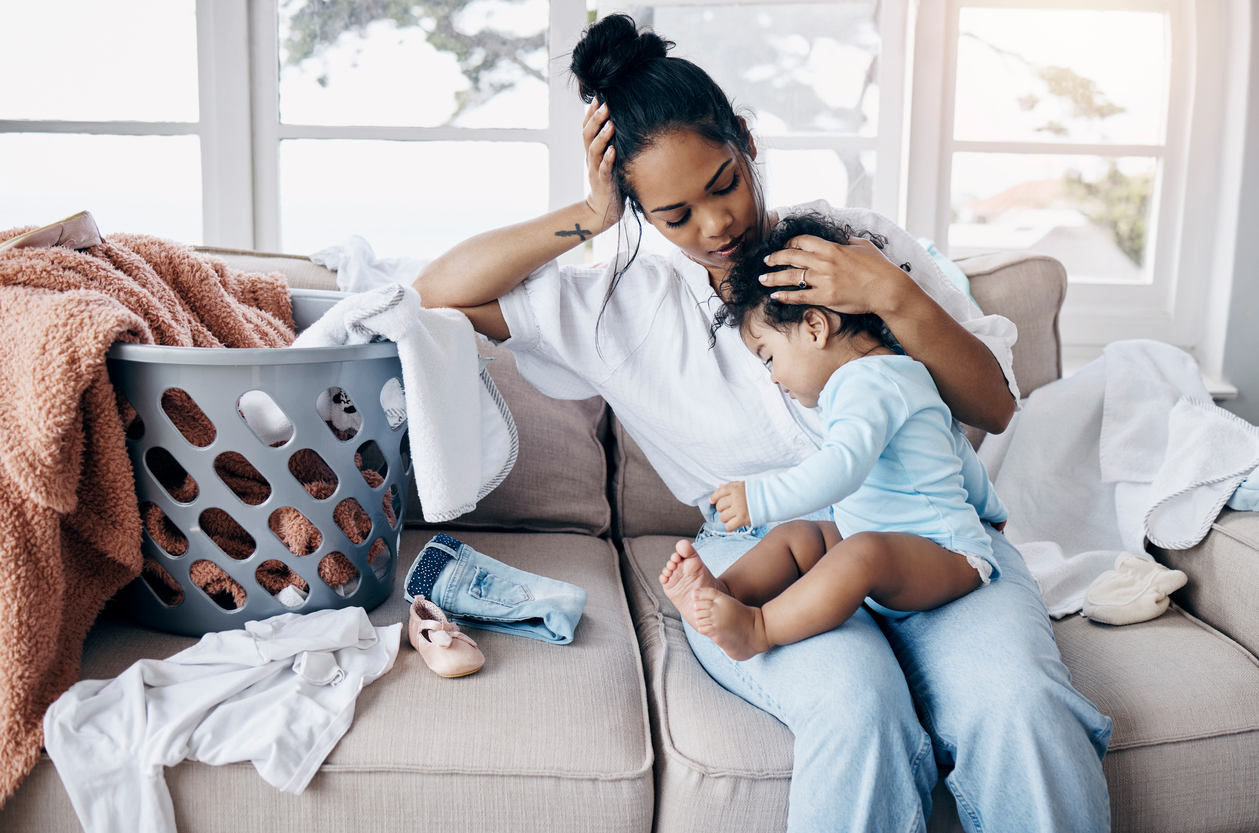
1196, 207
1201, 144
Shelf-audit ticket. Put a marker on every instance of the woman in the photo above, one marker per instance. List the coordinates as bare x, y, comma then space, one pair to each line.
995, 699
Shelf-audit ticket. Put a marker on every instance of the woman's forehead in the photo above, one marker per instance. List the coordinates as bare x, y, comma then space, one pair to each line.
678, 168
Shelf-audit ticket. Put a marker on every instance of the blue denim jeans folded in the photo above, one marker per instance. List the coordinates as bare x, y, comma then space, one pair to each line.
482, 592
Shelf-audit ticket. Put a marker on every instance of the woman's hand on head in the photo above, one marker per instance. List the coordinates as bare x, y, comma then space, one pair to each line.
855, 278
731, 502
605, 200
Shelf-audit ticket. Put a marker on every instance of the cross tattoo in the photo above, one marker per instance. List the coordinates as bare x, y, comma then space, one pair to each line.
578, 231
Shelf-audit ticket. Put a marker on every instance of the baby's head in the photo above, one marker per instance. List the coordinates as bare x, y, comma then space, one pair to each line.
802, 344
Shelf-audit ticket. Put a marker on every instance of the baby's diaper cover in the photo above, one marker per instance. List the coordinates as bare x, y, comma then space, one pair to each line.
481, 592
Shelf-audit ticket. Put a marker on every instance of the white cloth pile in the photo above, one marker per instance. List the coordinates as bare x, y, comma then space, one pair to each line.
1129, 448
279, 694
463, 438
360, 269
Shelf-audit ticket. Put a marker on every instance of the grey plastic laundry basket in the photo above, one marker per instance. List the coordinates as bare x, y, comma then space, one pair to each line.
294, 379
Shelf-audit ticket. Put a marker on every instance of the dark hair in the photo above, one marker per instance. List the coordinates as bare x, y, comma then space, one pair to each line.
650, 95
744, 294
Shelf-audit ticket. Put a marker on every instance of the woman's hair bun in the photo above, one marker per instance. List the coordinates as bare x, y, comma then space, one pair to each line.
612, 50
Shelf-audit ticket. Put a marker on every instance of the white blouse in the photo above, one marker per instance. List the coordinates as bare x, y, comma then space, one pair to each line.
703, 416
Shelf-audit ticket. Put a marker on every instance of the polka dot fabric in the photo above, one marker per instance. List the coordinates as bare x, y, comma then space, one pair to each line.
428, 565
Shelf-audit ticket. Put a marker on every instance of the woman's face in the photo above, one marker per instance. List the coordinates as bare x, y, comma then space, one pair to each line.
698, 195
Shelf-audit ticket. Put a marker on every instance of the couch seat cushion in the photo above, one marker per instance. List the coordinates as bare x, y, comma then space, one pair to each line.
1185, 701
544, 737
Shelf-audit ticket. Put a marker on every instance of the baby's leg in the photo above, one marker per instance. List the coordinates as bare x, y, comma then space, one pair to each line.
787, 552
897, 570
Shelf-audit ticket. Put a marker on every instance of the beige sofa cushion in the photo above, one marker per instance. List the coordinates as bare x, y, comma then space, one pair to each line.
560, 480
1184, 698
545, 737
643, 504
298, 270
1223, 572
1028, 289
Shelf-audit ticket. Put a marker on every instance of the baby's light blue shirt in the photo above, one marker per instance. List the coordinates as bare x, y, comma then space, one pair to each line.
890, 462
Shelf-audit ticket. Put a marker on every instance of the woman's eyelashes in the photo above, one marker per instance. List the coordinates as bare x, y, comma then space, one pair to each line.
734, 183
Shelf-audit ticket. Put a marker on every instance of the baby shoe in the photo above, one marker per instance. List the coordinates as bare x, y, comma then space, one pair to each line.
447, 650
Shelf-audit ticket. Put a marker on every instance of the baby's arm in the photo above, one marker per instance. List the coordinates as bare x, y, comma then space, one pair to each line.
979, 491
860, 414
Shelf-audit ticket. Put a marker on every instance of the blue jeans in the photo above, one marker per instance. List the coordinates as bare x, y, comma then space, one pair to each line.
482, 592
995, 700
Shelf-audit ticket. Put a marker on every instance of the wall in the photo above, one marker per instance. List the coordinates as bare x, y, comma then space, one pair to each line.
1241, 345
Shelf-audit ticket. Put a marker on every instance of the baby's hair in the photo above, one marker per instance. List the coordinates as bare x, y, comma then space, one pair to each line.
745, 295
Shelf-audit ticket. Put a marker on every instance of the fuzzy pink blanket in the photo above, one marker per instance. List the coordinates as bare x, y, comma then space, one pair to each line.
69, 523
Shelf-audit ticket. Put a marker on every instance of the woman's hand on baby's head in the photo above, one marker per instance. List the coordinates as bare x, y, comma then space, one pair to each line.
605, 200
731, 502
849, 279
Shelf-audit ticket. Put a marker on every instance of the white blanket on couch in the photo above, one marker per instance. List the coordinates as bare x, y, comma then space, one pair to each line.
1129, 448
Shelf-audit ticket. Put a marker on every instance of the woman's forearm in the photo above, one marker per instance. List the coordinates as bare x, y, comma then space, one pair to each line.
483, 268
965, 371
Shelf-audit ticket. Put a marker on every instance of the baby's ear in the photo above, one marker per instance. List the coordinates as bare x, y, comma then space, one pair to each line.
817, 325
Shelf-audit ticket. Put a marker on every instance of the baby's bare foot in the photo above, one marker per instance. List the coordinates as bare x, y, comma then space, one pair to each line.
683, 574
737, 629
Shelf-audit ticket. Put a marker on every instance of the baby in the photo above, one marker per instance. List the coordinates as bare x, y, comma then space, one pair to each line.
907, 491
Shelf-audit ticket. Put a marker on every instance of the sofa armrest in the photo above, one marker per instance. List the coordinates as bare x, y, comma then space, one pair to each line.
1223, 570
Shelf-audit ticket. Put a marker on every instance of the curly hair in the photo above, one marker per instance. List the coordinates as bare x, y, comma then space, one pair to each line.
745, 295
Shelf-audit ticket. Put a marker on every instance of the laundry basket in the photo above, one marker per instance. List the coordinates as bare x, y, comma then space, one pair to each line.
243, 519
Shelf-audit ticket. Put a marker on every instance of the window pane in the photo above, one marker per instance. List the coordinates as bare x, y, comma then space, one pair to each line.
1092, 213
842, 178
84, 60
467, 63
141, 184
803, 67
408, 199
1048, 75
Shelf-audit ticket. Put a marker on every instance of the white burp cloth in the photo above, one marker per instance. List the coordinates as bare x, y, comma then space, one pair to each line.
1135, 591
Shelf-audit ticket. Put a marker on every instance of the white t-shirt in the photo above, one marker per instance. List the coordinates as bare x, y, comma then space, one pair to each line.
703, 416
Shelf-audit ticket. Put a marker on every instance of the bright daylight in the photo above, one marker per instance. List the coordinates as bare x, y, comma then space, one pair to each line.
798, 416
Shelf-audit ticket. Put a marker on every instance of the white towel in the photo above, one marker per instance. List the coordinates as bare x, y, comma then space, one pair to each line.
1127, 448
359, 269
1210, 452
463, 438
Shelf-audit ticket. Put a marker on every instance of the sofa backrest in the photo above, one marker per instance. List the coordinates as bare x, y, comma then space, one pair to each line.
579, 471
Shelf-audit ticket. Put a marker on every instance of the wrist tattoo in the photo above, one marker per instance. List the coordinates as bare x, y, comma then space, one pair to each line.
577, 231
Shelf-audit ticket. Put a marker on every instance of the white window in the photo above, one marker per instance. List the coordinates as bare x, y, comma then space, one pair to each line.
1105, 132
101, 111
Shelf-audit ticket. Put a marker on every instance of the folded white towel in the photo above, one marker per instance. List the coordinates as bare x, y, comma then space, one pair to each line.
1210, 452
463, 438
1135, 591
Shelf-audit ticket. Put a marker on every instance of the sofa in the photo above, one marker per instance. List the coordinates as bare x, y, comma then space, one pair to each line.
622, 730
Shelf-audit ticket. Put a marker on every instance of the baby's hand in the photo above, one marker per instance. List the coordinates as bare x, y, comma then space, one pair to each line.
1001, 526
731, 502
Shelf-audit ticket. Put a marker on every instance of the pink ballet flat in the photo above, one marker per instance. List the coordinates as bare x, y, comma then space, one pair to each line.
447, 650
77, 231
